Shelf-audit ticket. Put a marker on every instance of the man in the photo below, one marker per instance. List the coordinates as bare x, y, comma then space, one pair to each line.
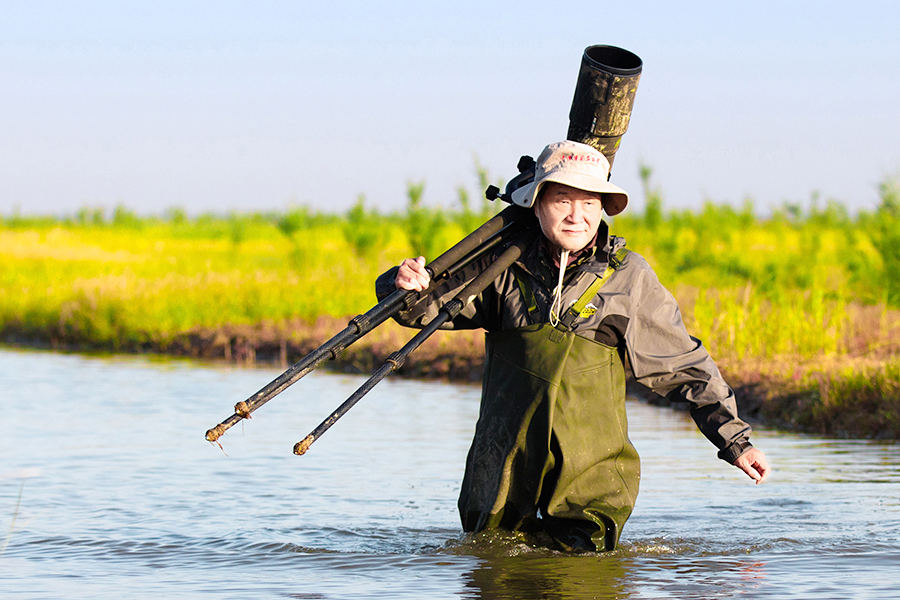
551, 451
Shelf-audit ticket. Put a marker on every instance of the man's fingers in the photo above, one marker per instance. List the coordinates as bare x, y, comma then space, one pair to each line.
412, 275
754, 464
753, 473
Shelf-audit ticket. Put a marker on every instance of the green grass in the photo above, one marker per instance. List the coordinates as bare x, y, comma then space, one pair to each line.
749, 286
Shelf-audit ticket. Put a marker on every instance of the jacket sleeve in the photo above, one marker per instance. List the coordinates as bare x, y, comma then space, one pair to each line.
676, 365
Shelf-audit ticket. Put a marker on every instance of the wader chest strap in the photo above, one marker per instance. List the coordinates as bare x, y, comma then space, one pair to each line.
580, 307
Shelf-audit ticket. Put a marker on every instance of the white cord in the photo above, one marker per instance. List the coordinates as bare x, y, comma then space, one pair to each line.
556, 304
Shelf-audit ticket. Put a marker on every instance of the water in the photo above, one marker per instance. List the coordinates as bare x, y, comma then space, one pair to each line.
108, 490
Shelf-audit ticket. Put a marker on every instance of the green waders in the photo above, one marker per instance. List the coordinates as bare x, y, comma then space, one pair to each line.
551, 449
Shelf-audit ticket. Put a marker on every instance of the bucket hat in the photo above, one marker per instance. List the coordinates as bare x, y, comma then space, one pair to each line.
577, 165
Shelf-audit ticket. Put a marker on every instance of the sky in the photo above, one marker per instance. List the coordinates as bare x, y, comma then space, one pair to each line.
244, 106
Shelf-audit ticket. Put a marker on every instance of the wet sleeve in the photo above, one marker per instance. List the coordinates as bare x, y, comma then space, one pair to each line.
472, 316
676, 365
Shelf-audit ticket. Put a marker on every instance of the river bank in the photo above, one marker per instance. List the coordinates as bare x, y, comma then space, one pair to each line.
807, 332
843, 396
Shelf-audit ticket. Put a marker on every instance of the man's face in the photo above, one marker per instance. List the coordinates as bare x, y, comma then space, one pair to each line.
569, 216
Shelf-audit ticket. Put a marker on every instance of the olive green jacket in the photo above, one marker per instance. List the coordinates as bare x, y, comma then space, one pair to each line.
634, 313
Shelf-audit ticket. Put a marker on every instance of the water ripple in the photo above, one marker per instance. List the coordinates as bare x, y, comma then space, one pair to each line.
92, 513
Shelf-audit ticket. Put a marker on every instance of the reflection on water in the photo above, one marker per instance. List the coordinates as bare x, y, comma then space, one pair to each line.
107, 489
549, 578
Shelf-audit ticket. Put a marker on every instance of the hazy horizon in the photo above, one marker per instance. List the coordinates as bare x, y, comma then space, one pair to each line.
221, 106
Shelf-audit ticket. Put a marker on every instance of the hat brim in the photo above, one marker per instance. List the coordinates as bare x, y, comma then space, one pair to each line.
615, 199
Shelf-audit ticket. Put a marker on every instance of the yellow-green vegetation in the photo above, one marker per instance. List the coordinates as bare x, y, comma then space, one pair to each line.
798, 304
793, 284
115, 284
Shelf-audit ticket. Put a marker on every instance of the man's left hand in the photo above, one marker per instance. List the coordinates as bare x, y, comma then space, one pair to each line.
753, 463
